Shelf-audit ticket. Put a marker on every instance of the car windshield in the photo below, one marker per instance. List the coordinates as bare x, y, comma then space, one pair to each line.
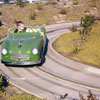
27, 29
22, 36
31, 32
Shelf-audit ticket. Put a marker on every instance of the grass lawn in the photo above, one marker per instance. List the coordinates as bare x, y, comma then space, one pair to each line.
88, 52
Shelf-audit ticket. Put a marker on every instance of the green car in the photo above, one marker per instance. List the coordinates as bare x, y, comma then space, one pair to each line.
24, 48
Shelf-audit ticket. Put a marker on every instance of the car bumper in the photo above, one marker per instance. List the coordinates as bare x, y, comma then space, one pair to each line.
21, 63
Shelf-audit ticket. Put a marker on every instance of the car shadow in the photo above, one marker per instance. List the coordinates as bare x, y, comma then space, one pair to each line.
45, 53
36, 65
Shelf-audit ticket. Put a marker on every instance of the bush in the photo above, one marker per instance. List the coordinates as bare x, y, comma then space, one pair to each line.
3, 83
63, 11
75, 2
40, 6
86, 23
33, 16
73, 28
20, 3
87, 10
76, 50
94, 3
48, 2
24, 97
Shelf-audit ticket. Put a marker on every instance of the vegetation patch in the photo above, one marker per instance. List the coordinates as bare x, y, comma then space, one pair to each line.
71, 45
24, 97
3, 32
43, 13
63, 11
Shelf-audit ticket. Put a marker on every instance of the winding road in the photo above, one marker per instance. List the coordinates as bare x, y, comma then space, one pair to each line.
55, 77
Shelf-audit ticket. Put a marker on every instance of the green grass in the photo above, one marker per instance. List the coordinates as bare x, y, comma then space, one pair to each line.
87, 52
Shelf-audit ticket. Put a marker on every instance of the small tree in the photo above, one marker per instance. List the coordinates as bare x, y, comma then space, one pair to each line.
86, 23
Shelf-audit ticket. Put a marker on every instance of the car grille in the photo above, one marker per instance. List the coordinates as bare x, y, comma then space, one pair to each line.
20, 57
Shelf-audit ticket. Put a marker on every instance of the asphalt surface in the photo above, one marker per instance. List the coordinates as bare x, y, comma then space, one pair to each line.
53, 78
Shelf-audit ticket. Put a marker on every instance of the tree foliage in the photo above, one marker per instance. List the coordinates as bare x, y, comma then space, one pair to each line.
86, 24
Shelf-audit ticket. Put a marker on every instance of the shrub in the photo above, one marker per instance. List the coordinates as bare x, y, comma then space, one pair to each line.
73, 28
63, 11
94, 3
33, 16
3, 83
40, 6
76, 50
87, 10
75, 2
86, 23
48, 2
20, 3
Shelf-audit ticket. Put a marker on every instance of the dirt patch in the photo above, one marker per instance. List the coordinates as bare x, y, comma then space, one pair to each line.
10, 91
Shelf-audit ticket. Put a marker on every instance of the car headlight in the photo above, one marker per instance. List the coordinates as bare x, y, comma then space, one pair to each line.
4, 51
35, 51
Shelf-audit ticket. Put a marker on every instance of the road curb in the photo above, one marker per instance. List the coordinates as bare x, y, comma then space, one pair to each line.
72, 63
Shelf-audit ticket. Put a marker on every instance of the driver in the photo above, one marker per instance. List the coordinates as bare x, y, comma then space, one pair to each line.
20, 26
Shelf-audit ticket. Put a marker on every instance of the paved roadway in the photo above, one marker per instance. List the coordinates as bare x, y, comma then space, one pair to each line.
53, 78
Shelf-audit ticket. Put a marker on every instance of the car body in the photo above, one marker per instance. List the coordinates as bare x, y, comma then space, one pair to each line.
24, 48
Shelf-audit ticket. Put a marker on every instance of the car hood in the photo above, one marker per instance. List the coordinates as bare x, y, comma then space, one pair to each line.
23, 45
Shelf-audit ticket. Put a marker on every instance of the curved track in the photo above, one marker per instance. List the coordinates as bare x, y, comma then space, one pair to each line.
53, 78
